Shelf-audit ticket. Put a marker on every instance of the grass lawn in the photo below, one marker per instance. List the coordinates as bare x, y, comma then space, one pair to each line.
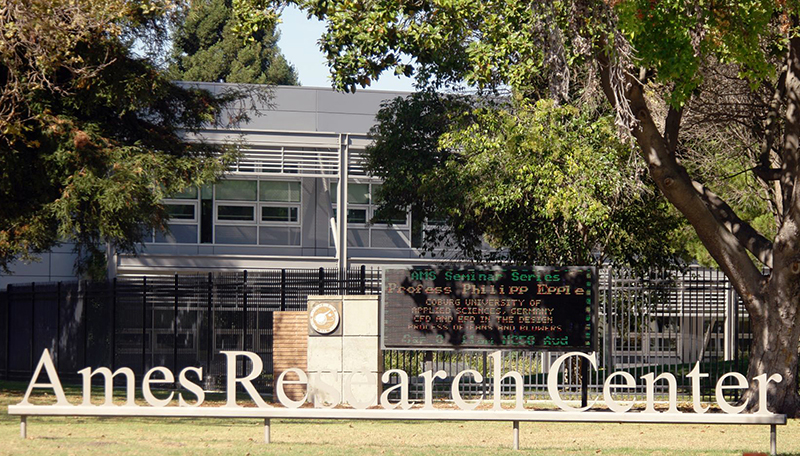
244, 437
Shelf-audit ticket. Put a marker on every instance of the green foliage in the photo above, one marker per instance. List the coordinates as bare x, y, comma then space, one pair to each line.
676, 37
546, 184
91, 136
495, 42
210, 45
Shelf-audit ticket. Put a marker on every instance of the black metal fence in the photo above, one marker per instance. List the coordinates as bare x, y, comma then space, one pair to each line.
664, 322
174, 321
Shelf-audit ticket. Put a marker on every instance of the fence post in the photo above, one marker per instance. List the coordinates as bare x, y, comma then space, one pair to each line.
584, 382
244, 319
58, 328
86, 323
210, 328
8, 331
609, 335
321, 281
363, 289
283, 289
114, 324
144, 325
175, 330
33, 324
728, 332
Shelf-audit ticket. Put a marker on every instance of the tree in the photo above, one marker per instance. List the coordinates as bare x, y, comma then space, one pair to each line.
209, 47
92, 136
544, 184
655, 62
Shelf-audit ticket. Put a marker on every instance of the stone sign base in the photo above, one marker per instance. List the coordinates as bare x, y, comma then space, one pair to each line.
344, 361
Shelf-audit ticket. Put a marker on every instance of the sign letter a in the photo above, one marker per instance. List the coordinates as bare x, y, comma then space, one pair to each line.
46, 362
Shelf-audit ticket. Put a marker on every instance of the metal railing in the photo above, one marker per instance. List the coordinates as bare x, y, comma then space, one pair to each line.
174, 321
663, 322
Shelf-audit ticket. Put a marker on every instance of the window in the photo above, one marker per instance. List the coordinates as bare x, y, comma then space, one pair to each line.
180, 211
258, 212
280, 202
228, 213
276, 191
279, 214
366, 230
237, 190
356, 193
362, 203
356, 216
188, 193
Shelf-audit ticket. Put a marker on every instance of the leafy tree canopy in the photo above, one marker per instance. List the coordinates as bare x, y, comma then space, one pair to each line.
545, 184
208, 46
92, 136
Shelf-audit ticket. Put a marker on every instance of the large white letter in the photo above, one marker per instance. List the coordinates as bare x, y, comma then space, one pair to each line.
460, 402
695, 375
519, 384
52, 375
615, 406
109, 384
326, 395
763, 385
194, 388
429, 376
246, 382
741, 381
354, 399
403, 386
148, 395
302, 379
552, 380
672, 386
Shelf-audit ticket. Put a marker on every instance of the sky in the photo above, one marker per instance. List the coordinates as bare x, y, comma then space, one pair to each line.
298, 43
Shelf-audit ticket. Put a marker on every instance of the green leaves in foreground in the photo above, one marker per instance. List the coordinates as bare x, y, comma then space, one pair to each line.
92, 136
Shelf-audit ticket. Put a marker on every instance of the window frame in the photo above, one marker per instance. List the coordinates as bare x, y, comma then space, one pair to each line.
251, 222
370, 208
268, 223
194, 202
183, 202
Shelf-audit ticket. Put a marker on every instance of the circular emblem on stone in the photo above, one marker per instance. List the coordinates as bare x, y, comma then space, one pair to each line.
324, 318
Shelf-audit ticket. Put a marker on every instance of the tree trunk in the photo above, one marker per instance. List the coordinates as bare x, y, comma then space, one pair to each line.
774, 349
773, 303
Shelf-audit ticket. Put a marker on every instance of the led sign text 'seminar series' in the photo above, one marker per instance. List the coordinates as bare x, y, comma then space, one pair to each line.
162, 375
548, 308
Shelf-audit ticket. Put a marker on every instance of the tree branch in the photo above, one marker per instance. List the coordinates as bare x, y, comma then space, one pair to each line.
676, 185
672, 127
767, 174
749, 237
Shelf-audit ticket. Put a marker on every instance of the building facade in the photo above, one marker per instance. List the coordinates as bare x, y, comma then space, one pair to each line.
279, 206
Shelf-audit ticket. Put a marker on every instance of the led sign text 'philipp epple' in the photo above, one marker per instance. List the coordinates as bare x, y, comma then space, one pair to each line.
542, 307
162, 375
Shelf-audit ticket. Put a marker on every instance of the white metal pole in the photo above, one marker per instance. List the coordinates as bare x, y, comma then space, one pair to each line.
341, 213
516, 435
773, 440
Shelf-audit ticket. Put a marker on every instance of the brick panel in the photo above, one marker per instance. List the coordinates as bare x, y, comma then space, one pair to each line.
290, 348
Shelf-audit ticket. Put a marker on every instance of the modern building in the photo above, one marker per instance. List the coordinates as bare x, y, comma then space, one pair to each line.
279, 207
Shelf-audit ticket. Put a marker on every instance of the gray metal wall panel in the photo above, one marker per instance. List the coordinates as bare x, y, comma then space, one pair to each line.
357, 123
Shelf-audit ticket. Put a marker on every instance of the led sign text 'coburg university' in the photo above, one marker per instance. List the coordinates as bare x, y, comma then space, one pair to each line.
190, 377
540, 307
